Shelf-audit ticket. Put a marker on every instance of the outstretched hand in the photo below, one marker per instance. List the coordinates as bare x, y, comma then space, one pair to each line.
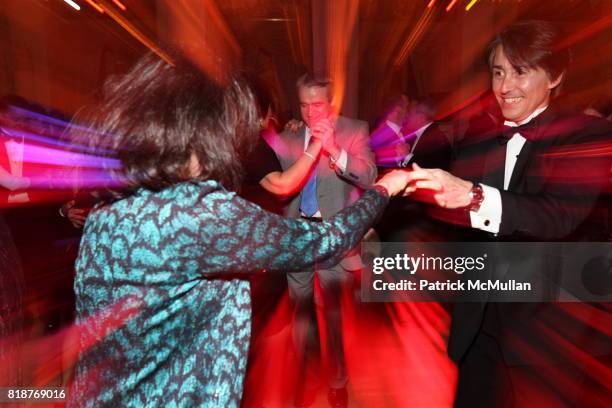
447, 190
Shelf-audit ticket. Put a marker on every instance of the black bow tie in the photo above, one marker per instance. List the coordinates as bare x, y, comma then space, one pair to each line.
527, 130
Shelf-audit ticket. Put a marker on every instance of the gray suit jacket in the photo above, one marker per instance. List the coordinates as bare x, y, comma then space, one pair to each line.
335, 189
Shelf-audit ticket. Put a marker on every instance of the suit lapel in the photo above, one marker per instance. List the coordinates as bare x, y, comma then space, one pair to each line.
544, 137
493, 169
522, 161
298, 146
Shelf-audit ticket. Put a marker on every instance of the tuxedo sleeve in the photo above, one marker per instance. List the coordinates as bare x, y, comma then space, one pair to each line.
360, 167
562, 187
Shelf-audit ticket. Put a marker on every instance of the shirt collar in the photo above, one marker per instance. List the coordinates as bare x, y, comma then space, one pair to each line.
529, 118
394, 126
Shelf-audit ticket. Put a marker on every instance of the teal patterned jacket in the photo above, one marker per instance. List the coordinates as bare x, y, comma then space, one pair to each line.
161, 322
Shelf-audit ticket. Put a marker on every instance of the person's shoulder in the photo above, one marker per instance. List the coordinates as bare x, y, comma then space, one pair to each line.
595, 124
288, 135
351, 121
579, 126
185, 194
351, 124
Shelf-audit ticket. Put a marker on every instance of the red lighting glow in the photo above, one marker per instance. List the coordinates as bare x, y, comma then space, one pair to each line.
120, 5
95, 5
470, 5
451, 5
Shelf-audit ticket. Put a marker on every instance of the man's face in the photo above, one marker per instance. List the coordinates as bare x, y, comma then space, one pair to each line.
314, 104
399, 111
519, 92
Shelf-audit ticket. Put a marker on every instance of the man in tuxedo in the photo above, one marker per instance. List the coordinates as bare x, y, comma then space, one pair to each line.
417, 139
395, 139
388, 137
532, 174
344, 167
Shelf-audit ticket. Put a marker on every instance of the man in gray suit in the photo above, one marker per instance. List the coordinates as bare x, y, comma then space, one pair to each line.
344, 167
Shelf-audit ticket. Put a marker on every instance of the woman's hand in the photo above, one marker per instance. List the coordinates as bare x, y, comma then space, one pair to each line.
396, 182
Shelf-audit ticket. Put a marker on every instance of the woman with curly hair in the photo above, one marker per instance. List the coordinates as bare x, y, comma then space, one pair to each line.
163, 303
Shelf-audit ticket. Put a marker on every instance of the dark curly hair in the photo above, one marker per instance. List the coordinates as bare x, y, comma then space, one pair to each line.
154, 118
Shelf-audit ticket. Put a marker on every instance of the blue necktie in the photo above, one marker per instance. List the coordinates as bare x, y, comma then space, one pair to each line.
309, 204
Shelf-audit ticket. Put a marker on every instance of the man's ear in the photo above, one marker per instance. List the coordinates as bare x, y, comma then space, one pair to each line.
555, 83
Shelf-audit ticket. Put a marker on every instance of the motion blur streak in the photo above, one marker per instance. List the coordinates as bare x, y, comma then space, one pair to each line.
451, 5
470, 5
395, 354
588, 31
136, 33
212, 46
61, 349
342, 16
414, 37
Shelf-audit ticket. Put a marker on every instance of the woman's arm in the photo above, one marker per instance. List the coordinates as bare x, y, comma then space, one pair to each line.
241, 237
289, 182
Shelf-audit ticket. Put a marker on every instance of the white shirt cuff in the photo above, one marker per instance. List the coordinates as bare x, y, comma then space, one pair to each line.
404, 162
342, 160
488, 216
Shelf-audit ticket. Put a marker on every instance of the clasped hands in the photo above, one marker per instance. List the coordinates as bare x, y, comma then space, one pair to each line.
323, 131
429, 185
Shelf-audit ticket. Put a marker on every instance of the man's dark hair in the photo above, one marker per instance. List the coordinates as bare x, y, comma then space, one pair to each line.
532, 44
157, 115
394, 100
309, 80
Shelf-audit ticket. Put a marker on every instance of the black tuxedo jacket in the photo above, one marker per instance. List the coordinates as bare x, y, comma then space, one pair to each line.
552, 192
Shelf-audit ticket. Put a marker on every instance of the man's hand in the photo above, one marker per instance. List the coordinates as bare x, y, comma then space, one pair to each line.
324, 130
396, 182
76, 216
448, 191
294, 125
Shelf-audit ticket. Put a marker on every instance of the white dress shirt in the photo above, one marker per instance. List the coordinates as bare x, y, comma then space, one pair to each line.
403, 162
488, 217
395, 127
